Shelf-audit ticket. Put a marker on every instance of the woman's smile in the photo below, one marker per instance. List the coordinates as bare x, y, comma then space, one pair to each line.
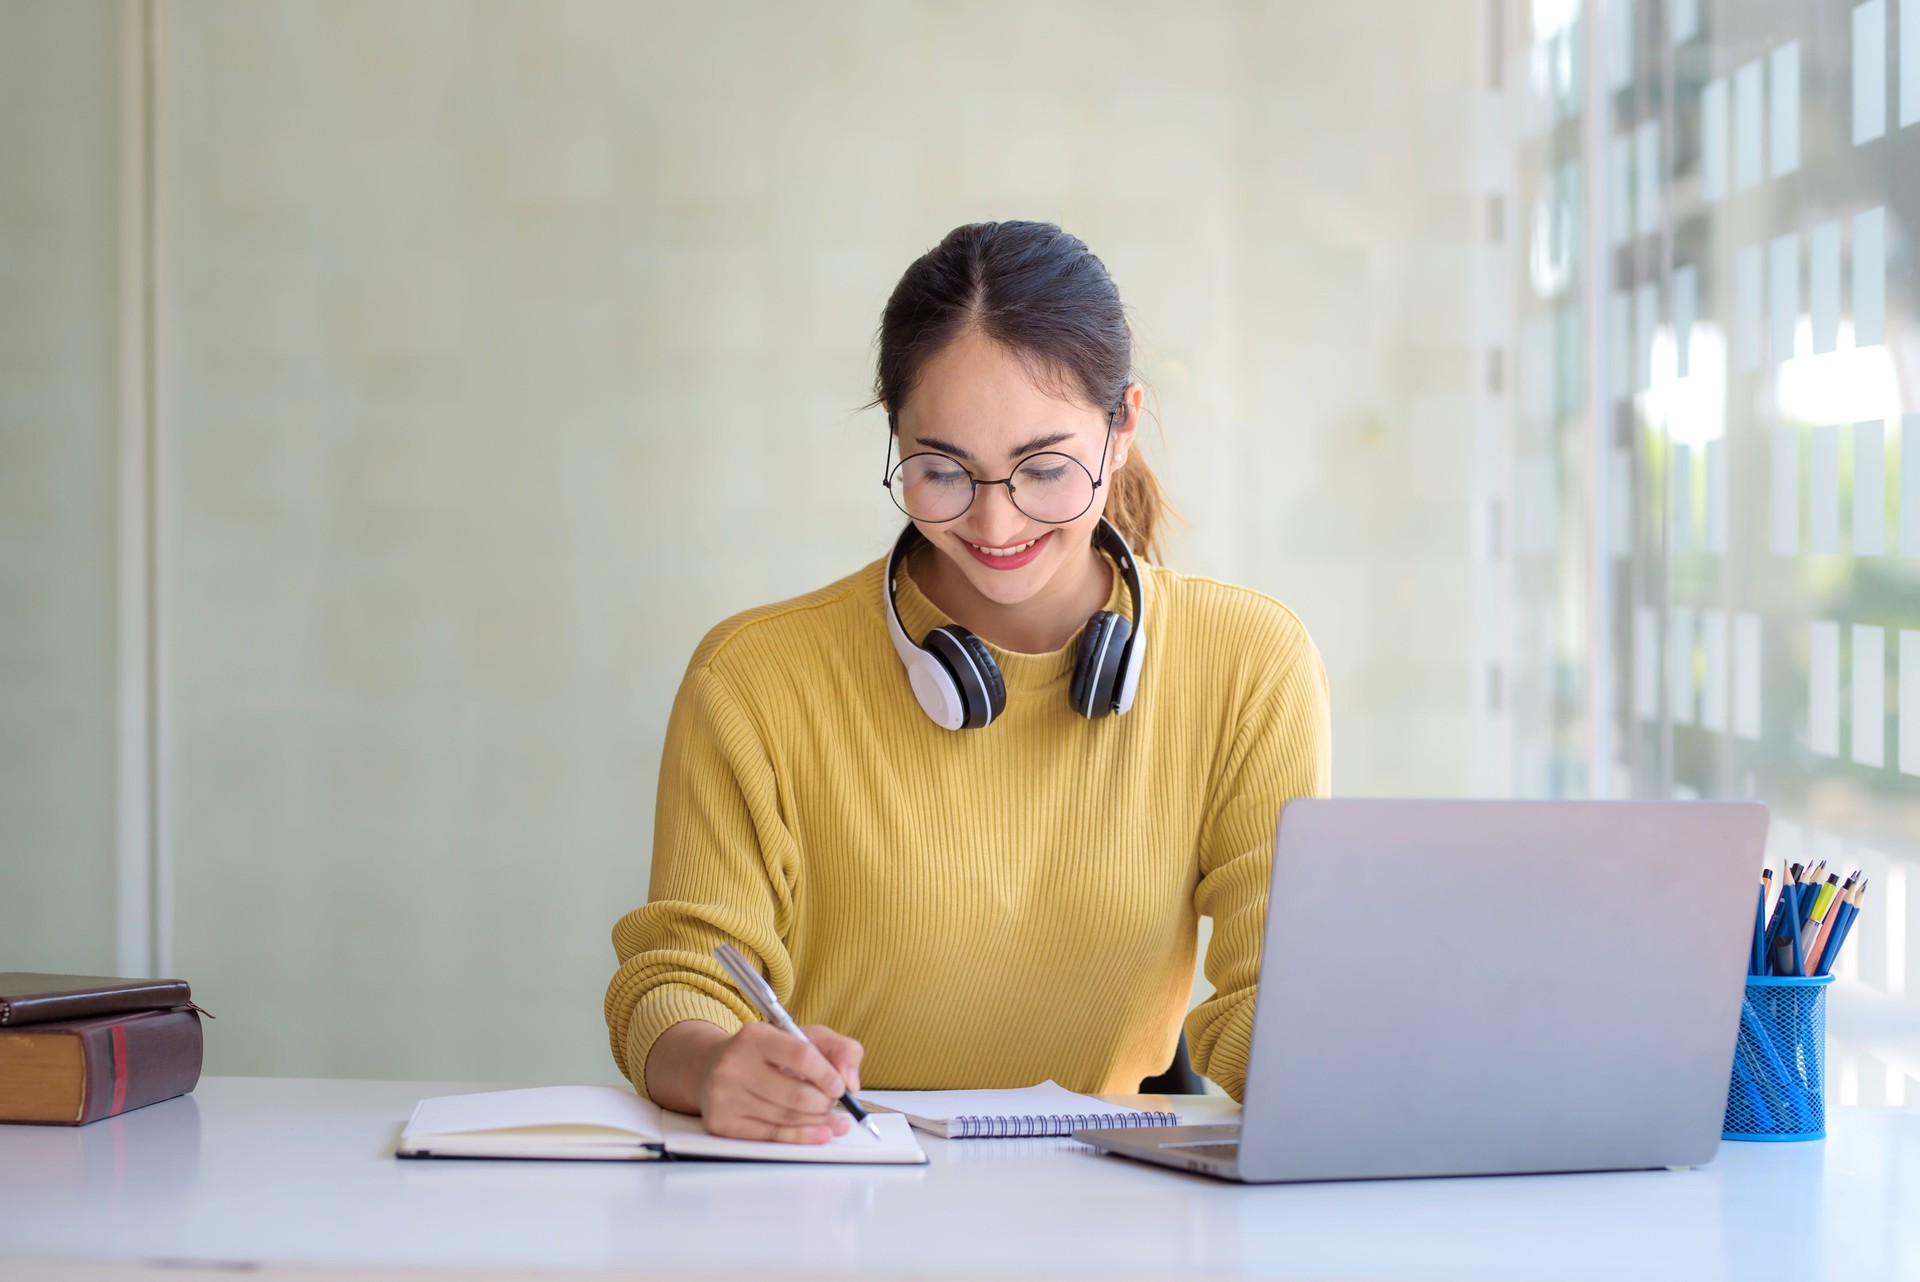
1010, 556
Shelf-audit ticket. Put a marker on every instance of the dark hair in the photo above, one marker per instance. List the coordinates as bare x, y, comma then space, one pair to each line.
1040, 293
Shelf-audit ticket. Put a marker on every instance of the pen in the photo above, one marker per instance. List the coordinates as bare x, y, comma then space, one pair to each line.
760, 993
1822, 921
1808, 901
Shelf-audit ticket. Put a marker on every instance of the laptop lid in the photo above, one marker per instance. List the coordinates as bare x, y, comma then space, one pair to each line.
1476, 987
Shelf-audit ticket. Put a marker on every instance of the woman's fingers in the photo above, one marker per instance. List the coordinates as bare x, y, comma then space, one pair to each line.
746, 1116
840, 1050
773, 1115
785, 1099
779, 1097
800, 1059
733, 1106
767, 1084
750, 1128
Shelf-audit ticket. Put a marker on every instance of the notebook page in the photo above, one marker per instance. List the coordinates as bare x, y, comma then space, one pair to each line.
1048, 1098
688, 1137
608, 1107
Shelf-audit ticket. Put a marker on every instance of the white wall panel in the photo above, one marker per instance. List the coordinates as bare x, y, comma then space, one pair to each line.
511, 355
61, 308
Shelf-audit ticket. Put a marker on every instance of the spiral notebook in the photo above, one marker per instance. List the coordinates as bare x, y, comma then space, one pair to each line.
1046, 1109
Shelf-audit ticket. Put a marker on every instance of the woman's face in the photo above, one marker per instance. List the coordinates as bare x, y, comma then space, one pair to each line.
977, 402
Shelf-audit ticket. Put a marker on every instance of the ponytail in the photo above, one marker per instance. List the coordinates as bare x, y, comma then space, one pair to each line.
1137, 505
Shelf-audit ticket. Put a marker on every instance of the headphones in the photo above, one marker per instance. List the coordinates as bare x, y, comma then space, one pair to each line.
957, 682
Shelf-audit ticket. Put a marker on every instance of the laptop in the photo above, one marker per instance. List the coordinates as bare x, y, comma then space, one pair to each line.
1488, 987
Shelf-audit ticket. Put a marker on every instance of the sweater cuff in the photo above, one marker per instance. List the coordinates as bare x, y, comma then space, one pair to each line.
661, 1009
1223, 1055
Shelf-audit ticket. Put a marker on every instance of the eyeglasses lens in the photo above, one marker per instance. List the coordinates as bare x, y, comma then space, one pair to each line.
1052, 488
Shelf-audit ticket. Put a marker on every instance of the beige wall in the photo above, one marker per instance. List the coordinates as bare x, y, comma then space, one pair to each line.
505, 348
59, 390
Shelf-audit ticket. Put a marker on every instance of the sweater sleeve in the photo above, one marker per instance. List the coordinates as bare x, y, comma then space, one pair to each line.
724, 870
1281, 750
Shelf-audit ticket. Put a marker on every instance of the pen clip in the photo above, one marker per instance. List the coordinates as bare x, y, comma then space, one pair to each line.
752, 986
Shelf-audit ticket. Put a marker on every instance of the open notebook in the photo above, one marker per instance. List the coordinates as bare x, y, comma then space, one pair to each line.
1046, 1109
610, 1124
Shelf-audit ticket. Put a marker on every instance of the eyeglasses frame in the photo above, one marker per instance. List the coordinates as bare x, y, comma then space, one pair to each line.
886, 477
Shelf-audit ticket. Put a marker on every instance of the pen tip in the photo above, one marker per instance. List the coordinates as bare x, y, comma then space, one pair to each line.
869, 1124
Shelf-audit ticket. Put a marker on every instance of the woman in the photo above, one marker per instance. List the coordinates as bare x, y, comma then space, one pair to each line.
961, 813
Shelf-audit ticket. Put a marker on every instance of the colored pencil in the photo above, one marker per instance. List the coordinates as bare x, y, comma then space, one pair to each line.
1777, 1082
1823, 919
1831, 953
1812, 879
1757, 963
1743, 1079
1776, 924
1845, 929
1793, 930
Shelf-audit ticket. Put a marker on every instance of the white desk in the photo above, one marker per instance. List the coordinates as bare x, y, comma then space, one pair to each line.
300, 1173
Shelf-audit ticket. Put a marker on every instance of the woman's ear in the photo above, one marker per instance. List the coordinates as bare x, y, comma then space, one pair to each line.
1127, 422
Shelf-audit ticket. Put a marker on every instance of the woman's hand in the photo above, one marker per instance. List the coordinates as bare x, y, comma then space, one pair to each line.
759, 1083
765, 1084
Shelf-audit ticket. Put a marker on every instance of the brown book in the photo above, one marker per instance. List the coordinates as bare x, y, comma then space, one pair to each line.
70, 1072
27, 997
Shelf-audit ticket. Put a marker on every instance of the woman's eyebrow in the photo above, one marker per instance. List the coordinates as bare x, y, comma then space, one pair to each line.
1037, 443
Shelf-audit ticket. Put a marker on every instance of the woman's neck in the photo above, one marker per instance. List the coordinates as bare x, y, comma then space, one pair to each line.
1040, 625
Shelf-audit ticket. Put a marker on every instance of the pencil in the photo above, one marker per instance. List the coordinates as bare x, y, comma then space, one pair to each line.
1776, 923
1793, 931
1757, 963
1811, 879
1743, 1079
1823, 919
1845, 928
1776, 1081
1828, 955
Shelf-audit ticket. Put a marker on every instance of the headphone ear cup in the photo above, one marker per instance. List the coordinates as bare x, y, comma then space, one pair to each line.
1096, 669
974, 672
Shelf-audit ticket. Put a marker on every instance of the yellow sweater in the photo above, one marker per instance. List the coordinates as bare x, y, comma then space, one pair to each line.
979, 908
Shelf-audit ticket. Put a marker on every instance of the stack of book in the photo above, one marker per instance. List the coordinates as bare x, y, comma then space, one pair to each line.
77, 1048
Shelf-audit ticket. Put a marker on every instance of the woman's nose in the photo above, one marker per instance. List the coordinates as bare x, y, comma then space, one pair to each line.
996, 521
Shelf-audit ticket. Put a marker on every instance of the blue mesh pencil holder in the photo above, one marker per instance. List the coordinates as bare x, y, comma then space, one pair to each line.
1779, 1086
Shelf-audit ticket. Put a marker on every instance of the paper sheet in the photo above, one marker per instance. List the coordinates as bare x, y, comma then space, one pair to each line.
539, 1106
1047, 1099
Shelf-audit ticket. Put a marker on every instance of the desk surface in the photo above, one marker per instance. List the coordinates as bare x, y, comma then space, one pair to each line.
300, 1172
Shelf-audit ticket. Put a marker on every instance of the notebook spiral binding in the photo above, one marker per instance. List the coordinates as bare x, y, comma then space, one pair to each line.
1000, 1128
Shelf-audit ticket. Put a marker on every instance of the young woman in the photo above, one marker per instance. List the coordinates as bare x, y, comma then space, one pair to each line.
966, 806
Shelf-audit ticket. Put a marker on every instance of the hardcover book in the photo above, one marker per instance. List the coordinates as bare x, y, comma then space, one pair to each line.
30, 997
68, 1072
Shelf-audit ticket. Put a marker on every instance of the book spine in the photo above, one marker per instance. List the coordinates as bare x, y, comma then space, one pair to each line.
974, 1127
141, 1060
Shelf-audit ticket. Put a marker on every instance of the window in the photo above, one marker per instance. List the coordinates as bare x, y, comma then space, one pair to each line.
1716, 529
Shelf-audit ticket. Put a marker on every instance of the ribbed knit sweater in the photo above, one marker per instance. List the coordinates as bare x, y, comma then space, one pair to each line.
979, 908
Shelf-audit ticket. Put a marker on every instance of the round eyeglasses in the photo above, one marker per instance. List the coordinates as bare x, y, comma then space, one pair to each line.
1049, 487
